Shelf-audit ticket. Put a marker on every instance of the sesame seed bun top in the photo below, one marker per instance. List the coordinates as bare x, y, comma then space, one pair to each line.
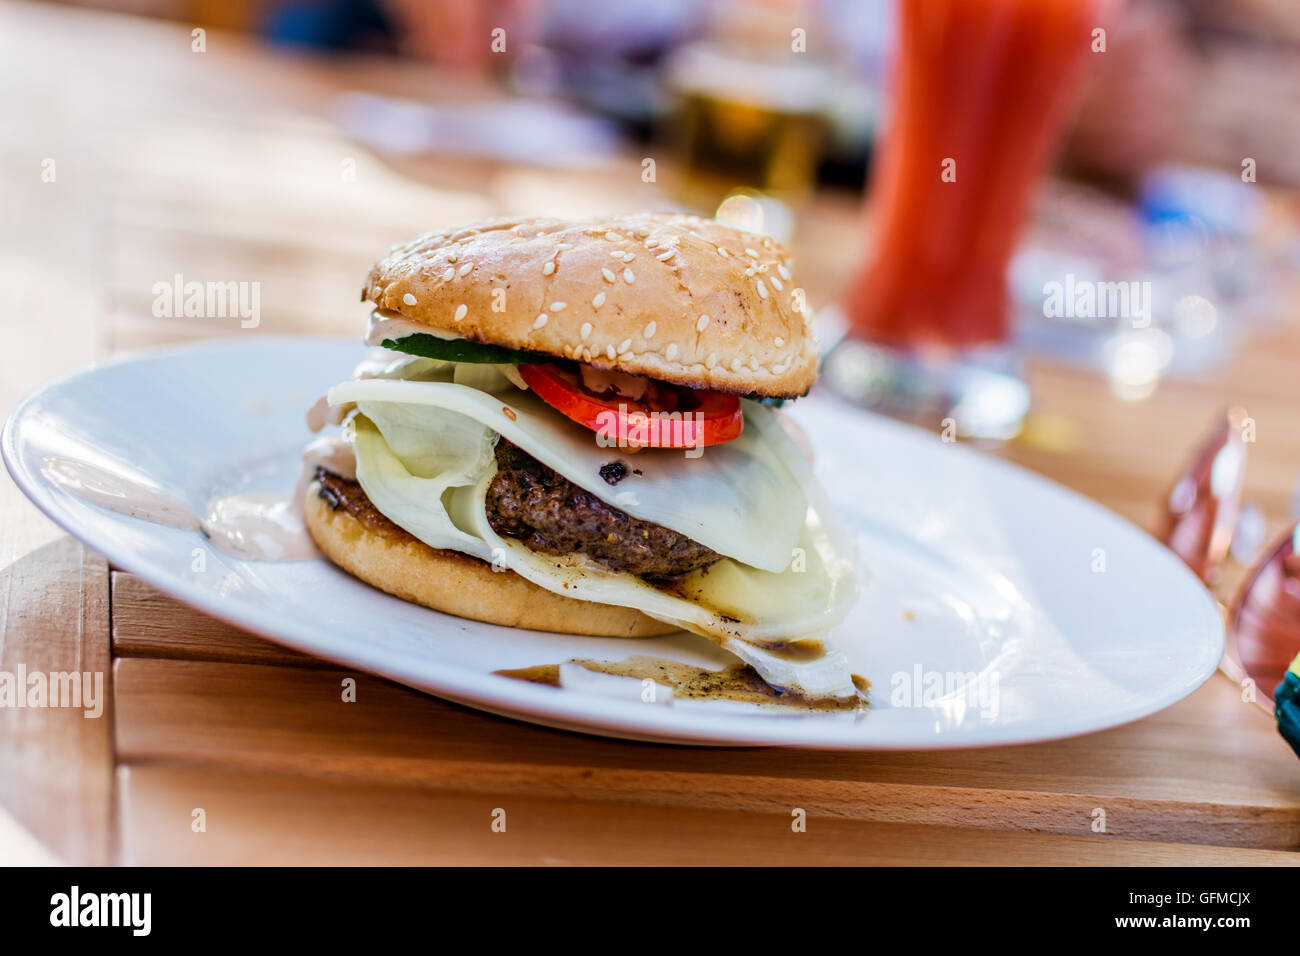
673, 297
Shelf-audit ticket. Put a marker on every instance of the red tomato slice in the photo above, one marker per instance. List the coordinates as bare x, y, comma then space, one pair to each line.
667, 416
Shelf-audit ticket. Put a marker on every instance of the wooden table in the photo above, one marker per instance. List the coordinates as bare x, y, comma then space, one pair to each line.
225, 165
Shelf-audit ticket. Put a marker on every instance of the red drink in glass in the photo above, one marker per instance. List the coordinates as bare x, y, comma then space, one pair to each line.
981, 91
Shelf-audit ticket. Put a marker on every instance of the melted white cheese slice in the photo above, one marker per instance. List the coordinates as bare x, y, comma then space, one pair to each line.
744, 499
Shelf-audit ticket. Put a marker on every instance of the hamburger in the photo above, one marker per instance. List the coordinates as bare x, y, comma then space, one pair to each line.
567, 426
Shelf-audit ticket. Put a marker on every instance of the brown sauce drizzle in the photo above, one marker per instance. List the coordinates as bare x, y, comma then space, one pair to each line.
805, 649
739, 682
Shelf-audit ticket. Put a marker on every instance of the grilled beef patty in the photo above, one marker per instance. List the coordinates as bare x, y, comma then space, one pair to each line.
548, 513
347, 495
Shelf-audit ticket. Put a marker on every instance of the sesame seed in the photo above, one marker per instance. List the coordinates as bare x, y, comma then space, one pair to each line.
779, 341
609, 350
753, 363
453, 254
735, 365
778, 369
607, 275
449, 273
762, 267
749, 272
467, 268
652, 244
560, 247
700, 325
599, 300
540, 321
666, 255
548, 268
617, 254
509, 413
558, 306
723, 252
776, 283
711, 361
785, 273
649, 332
751, 253
762, 289
585, 330
670, 353
409, 299
614, 236
624, 345
628, 277
462, 310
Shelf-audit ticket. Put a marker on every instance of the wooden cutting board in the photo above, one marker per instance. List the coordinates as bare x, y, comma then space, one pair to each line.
219, 747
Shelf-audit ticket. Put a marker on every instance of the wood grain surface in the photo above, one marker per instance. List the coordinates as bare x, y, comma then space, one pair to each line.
226, 165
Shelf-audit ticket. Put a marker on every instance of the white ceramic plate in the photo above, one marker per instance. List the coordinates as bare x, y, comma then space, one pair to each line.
997, 607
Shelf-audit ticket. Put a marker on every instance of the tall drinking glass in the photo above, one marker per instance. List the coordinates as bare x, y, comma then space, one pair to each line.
981, 91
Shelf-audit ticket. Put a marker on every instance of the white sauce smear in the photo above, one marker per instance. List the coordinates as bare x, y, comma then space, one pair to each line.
259, 526
120, 492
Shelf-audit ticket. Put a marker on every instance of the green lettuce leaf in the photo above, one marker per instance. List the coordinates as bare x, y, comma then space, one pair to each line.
463, 350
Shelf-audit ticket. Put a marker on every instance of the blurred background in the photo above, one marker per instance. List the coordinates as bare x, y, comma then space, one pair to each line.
290, 142
569, 107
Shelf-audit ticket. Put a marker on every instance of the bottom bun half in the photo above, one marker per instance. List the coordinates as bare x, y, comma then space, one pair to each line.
396, 562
